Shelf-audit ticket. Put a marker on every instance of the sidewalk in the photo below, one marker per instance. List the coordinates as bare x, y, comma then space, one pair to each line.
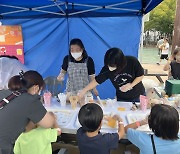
149, 59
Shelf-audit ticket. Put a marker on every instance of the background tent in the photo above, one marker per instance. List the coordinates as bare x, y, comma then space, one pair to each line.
48, 26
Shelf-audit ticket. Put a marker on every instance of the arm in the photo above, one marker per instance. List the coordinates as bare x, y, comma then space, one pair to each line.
167, 66
90, 86
121, 131
92, 77
137, 80
47, 121
135, 125
129, 86
61, 75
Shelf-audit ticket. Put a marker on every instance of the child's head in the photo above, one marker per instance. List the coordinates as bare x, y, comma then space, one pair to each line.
164, 121
176, 54
77, 49
14, 83
90, 117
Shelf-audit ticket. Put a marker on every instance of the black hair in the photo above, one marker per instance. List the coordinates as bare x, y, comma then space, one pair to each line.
164, 121
8, 56
31, 78
14, 83
176, 51
90, 117
114, 57
78, 42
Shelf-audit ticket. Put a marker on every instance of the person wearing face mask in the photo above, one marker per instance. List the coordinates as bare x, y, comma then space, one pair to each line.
17, 108
79, 67
173, 65
125, 73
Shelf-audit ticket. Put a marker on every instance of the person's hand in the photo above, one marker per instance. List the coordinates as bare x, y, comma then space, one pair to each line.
118, 118
81, 94
95, 92
144, 121
60, 77
125, 87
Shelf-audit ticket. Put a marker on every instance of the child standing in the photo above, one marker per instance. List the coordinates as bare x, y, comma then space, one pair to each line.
36, 140
173, 65
90, 140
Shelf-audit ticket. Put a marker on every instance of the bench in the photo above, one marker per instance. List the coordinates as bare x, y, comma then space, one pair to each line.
158, 76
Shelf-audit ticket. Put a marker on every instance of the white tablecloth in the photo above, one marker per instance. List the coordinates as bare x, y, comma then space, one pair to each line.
67, 117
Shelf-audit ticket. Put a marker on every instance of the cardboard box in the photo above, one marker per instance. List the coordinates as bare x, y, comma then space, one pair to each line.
172, 87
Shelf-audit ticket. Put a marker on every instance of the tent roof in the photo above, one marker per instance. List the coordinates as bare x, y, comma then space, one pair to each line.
73, 8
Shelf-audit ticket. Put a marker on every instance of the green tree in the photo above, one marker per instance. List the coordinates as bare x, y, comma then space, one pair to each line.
162, 18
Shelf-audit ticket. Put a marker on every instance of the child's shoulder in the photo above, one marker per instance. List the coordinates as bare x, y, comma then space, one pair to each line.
110, 136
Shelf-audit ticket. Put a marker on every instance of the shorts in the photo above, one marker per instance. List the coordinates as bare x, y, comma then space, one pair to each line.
164, 57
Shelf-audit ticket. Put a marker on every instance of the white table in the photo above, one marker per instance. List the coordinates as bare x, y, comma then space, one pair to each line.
67, 117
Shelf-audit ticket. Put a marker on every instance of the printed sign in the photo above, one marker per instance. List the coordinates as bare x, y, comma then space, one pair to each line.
11, 42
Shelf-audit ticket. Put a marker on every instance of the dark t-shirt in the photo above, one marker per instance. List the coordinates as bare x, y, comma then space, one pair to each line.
132, 70
90, 64
175, 70
100, 144
15, 116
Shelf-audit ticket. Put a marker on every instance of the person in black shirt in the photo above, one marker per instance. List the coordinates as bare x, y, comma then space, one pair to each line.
125, 73
90, 140
79, 67
173, 65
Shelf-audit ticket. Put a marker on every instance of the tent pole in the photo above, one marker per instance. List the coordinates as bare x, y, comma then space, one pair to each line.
141, 44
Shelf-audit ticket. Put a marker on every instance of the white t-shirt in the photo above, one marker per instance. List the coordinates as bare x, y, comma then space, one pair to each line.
9, 67
165, 49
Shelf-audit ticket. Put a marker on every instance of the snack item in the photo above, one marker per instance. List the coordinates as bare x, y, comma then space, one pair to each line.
121, 109
112, 122
73, 100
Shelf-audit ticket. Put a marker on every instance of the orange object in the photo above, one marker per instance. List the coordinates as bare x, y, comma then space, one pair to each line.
112, 122
121, 109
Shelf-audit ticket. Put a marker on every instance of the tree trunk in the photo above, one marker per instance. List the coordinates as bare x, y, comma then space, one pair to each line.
176, 36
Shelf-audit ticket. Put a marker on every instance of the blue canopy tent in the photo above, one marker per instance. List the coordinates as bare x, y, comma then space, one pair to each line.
49, 25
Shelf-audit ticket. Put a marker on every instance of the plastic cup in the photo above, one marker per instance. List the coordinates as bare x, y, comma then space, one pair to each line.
143, 102
47, 98
62, 98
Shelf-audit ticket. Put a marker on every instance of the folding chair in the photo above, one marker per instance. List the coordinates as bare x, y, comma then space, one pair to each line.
53, 85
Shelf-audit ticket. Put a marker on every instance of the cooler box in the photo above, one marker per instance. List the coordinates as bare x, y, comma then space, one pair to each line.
172, 87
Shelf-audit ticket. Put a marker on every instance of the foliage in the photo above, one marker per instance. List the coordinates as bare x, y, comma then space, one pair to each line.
162, 18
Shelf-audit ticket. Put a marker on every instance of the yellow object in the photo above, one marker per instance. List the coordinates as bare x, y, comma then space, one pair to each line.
73, 100
121, 109
19, 51
112, 122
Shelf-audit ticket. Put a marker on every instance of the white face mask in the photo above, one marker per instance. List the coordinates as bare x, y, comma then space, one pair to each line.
112, 68
76, 55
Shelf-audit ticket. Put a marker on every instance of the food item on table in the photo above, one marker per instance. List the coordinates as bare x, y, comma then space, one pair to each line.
73, 100
110, 121
121, 109
103, 102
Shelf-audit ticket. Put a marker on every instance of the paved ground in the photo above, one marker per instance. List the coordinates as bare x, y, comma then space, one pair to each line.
149, 59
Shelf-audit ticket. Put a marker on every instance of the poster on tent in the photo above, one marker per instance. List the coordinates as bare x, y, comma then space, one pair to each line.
11, 42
